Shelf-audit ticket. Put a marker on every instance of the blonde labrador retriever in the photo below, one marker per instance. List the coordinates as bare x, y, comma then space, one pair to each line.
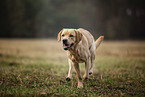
80, 47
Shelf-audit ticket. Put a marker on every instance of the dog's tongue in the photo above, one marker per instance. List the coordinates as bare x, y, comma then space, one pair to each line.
65, 46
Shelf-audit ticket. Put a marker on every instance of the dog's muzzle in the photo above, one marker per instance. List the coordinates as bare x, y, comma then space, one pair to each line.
66, 46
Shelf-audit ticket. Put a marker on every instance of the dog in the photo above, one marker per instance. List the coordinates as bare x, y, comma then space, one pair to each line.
80, 47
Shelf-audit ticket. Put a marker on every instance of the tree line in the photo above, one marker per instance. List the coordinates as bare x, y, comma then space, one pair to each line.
115, 19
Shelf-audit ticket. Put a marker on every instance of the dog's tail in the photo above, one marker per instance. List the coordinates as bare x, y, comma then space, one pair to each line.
98, 41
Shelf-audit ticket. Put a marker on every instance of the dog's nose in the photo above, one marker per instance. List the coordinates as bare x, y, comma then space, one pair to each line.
64, 40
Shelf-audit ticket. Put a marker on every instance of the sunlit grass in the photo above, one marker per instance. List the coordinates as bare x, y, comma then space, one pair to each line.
39, 67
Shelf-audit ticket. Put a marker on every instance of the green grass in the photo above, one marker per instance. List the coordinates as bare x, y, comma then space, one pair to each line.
39, 67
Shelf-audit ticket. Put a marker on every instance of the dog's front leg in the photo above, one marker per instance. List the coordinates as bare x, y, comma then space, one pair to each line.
79, 77
68, 78
87, 64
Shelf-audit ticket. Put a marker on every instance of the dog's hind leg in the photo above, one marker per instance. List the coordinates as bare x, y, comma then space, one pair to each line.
93, 53
87, 65
92, 64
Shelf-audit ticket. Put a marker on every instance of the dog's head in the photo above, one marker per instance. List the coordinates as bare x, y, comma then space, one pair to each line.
69, 38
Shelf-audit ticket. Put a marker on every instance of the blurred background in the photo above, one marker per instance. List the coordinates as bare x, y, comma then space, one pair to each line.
115, 19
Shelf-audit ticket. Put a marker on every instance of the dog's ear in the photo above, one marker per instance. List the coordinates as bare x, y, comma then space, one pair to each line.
78, 36
59, 35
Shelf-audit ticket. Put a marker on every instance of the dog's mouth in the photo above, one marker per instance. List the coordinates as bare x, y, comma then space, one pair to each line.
67, 46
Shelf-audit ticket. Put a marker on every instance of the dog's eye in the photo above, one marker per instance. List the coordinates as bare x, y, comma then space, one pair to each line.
71, 36
62, 34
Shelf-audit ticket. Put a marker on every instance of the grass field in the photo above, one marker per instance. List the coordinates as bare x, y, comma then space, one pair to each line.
39, 67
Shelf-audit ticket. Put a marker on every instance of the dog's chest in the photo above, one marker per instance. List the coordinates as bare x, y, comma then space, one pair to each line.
77, 57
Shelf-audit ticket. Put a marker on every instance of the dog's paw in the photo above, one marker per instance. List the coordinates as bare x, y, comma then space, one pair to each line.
90, 73
80, 85
68, 79
86, 77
